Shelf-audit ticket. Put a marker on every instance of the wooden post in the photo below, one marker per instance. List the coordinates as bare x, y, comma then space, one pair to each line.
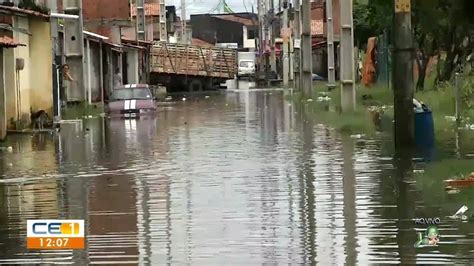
403, 75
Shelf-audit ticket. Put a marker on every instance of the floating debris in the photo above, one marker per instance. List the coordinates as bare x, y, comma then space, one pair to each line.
469, 126
460, 213
450, 118
452, 190
418, 171
309, 100
357, 136
169, 98
8, 149
207, 96
323, 99
462, 182
183, 99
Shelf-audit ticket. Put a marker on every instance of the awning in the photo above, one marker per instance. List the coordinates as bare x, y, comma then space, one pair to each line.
133, 46
95, 35
8, 42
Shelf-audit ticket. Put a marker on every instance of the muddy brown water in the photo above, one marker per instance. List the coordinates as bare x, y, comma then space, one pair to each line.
233, 178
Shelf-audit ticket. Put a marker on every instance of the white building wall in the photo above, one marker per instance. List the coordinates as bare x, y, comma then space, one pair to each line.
132, 67
248, 43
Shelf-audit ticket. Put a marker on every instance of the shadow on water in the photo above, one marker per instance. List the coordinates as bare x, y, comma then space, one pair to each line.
240, 177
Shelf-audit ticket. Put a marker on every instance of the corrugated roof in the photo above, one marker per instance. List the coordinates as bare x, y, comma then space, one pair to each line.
17, 10
241, 20
151, 9
6, 41
125, 40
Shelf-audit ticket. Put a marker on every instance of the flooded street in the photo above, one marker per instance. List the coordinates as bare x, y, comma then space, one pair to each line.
238, 177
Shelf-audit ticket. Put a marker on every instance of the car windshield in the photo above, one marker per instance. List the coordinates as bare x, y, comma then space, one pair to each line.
128, 94
246, 63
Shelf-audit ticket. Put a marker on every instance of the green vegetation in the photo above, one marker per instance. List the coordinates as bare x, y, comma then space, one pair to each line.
82, 110
442, 28
432, 181
380, 99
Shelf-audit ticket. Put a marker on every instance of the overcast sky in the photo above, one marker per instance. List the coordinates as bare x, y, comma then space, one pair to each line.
204, 6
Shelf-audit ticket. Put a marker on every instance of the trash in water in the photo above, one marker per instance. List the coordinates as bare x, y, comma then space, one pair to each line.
452, 190
323, 99
207, 96
309, 100
184, 99
461, 182
460, 213
357, 136
470, 126
169, 98
418, 171
450, 118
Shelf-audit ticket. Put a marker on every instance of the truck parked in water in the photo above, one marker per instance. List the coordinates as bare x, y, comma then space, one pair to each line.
181, 67
246, 62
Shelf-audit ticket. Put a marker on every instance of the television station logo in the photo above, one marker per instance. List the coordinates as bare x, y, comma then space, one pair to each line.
55, 234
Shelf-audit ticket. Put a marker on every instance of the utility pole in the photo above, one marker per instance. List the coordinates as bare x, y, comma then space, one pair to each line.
306, 52
74, 51
141, 33
56, 63
285, 46
297, 45
271, 14
330, 43
163, 31
184, 33
403, 75
348, 97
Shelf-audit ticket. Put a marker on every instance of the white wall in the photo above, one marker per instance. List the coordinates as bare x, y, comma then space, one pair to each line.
248, 43
132, 66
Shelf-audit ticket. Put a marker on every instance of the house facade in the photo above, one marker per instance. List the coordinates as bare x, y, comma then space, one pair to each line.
225, 28
28, 67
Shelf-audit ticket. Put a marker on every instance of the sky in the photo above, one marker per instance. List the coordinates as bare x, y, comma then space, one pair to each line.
204, 6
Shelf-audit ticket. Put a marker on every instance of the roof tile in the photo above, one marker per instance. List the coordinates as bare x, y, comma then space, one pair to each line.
6, 41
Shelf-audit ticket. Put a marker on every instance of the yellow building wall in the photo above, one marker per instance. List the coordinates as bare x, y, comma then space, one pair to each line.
41, 61
35, 81
23, 76
10, 85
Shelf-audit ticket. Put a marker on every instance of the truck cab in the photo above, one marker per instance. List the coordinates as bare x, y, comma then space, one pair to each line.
246, 65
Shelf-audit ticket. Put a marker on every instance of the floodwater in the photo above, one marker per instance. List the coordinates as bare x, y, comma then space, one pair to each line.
241, 177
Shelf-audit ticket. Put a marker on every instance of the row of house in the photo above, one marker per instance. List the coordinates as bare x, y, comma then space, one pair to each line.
33, 54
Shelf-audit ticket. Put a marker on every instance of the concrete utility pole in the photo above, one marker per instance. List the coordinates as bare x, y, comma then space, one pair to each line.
286, 36
271, 14
56, 63
184, 33
306, 51
297, 45
403, 75
330, 42
163, 31
348, 97
74, 51
141, 32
